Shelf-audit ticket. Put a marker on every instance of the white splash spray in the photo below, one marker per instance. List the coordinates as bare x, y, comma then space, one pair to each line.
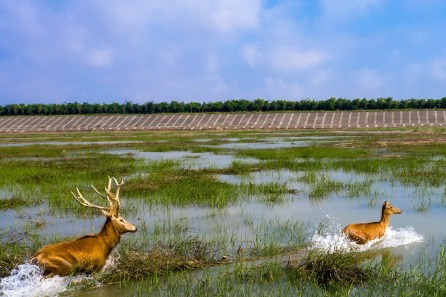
27, 280
334, 241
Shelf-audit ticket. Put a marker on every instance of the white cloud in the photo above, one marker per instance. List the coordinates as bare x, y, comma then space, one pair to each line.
229, 15
26, 20
289, 59
163, 50
223, 15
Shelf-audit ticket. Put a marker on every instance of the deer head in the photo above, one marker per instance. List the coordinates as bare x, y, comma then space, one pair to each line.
389, 209
112, 211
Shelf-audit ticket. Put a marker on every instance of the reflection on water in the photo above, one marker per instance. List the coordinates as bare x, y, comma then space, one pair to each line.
18, 224
273, 142
187, 159
250, 220
264, 176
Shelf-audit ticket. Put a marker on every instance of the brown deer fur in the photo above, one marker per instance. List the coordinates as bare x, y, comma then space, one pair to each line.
362, 233
88, 253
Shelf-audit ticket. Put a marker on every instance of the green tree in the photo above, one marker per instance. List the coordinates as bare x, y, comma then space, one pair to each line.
176, 106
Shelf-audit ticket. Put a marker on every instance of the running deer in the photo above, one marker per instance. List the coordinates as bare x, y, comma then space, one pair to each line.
361, 233
89, 253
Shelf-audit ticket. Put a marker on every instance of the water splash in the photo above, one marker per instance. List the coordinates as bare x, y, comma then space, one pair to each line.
338, 242
27, 280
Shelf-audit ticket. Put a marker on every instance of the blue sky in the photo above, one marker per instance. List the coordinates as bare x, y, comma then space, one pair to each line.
216, 50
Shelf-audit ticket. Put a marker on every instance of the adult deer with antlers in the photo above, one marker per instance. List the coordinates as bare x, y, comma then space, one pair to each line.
89, 253
362, 233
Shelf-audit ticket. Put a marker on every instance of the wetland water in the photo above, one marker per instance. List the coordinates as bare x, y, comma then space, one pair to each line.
299, 216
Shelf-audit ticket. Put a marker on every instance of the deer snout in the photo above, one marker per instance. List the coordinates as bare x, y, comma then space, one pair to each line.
131, 228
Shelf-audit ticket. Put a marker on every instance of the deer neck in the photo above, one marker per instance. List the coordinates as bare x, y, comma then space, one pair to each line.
385, 220
109, 235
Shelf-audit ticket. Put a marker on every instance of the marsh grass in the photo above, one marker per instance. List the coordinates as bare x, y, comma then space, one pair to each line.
317, 152
241, 168
186, 254
167, 183
39, 180
177, 227
322, 185
360, 189
274, 238
263, 273
317, 275
11, 255
16, 202
56, 164
273, 188
272, 192
37, 174
427, 278
338, 271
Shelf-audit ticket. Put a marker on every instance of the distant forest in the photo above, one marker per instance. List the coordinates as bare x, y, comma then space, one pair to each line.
240, 105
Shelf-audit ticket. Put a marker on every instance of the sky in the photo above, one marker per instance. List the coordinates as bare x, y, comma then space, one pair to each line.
217, 50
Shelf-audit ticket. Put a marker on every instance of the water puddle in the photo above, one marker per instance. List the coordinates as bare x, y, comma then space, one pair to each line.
273, 142
264, 176
188, 160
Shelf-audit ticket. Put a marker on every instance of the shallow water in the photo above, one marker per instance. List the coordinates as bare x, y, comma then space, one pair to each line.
250, 219
27, 280
187, 159
274, 142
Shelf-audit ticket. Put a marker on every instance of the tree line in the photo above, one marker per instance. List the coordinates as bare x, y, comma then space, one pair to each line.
236, 105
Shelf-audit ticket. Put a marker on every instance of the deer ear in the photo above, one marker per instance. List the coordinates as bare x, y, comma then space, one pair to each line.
386, 203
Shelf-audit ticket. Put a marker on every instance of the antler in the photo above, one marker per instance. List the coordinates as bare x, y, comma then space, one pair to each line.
113, 199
